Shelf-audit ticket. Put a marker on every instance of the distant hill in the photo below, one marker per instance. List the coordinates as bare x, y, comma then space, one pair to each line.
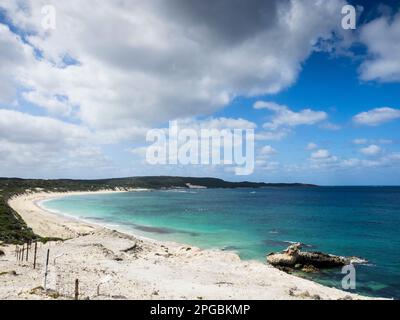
153, 182
14, 230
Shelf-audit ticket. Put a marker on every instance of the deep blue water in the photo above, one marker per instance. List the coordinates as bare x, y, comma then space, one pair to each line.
349, 221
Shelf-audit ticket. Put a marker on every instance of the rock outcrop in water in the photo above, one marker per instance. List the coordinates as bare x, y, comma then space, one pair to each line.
294, 258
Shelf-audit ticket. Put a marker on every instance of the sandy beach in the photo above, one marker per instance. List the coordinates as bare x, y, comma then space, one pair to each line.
132, 267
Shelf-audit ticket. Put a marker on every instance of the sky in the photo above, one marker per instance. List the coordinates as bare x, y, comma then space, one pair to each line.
80, 89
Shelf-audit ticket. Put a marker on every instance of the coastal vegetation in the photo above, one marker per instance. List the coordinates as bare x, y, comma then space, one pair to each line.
13, 229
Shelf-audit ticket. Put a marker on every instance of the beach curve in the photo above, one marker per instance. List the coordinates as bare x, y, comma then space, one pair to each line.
142, 268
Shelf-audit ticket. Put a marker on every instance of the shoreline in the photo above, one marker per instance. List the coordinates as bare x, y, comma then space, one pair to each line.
140, 267
100, 225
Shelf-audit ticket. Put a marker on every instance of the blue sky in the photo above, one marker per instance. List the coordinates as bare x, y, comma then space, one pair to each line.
332, 84
78, 99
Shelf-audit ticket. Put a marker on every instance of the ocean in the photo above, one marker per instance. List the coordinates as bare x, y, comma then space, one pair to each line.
347, 221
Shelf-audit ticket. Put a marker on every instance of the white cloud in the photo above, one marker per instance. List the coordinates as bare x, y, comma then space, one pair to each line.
385, 141
161, 61
350, 163
266, 105
371, 150
54, 104
322, 159
272, 135
388, 160
14, 57
330, 126
154, 62
360, 141
268, 150
382, 38
32, 143
394, 156
311, 146
23, 128
320, 154
285, 117
224, 123
219, 123
266, 165
377, 116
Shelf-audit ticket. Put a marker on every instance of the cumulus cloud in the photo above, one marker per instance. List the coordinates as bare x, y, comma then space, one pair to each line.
360, 141
266, 165
395, 156
218, 123
377, 116
311, 146
23, 128
272, 135
221, 124
148, 62
283, 116
14, 57
388, 160
382, 38
268, 150
330, 126
322, 158
54, 104
29, 143
132, 65
385, 141
371, 150
325, 161
320, 154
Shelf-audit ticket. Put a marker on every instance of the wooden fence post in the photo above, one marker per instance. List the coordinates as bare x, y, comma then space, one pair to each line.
23, 252
34, 256
76, 289
27, 251
46, 269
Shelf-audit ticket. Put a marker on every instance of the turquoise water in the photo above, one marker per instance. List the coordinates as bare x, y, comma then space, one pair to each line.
350, 221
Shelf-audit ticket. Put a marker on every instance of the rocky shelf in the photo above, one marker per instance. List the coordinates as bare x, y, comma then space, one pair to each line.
308, 261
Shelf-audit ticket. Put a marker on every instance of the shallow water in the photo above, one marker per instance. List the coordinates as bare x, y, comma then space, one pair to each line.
348, 221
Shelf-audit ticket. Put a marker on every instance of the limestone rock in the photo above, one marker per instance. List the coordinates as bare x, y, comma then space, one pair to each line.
293, 257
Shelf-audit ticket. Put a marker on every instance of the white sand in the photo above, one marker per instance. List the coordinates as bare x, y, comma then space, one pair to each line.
151, 270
